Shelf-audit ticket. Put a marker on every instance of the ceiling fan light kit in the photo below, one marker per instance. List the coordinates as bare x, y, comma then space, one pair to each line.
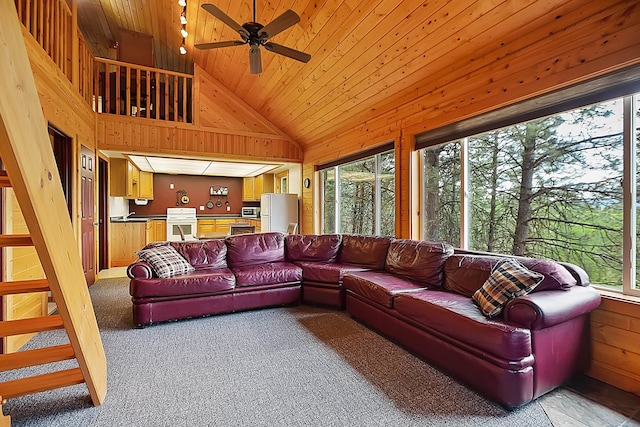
255, 35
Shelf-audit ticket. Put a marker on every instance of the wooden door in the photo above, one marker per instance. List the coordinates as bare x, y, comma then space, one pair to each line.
87, 179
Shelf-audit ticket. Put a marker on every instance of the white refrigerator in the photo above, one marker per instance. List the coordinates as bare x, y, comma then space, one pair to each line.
277, 211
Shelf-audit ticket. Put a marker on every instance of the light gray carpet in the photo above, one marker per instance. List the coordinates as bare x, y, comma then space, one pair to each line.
296, 366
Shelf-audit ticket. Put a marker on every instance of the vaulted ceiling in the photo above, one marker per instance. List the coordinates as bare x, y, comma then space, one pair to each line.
368, 56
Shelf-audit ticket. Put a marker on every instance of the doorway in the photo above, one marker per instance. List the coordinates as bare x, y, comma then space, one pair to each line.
103, 214
87, 190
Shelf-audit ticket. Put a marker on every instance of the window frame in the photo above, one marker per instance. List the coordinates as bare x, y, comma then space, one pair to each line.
631, 102
375, 154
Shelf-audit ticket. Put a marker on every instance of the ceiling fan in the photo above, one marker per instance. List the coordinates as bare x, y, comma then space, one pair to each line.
255, 35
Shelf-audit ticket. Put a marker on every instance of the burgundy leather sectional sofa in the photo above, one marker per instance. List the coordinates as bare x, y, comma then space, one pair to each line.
416, 293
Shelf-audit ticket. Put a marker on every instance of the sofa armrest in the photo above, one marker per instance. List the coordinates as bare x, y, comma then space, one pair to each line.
539, 310
140, 270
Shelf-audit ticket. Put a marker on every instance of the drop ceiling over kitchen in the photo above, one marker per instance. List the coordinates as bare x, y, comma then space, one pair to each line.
199, 167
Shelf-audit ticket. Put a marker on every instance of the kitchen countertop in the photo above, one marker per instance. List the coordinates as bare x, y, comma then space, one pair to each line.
164, 217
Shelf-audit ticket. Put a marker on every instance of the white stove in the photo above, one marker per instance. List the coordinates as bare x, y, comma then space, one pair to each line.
182, 224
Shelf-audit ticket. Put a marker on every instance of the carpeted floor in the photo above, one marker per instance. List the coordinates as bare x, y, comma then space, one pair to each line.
296, 366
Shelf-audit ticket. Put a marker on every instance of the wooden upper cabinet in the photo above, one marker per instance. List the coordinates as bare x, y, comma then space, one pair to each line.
145, 185
253, 187
248, 189
124, 179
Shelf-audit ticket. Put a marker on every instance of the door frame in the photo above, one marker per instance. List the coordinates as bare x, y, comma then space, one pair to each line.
103, 213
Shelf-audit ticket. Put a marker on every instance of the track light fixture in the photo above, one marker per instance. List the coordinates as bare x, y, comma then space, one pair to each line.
183, 31
183, 22
183, 16
182, 3
183, 50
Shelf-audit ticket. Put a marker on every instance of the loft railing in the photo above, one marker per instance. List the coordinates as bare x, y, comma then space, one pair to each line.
85, 69
108, 86
50, 23
133, 90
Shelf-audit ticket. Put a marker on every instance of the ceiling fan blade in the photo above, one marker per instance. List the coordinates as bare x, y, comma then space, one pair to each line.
255, 61
287, 51
216, 45
281, 23
225, 18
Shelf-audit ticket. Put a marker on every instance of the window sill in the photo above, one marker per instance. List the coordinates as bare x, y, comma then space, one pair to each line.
618, 296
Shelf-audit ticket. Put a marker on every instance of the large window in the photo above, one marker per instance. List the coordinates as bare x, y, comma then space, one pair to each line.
553, 187
359, 196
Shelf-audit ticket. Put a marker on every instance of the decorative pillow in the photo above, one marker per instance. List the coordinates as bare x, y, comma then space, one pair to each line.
509, 279
165, 261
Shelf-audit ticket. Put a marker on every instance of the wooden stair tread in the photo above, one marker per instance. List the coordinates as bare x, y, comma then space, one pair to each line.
24, 287
40, 356
39, 383
4, 180
15, 240
27, 326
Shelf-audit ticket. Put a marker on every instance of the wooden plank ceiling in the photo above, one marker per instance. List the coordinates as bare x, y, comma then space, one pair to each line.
368, 56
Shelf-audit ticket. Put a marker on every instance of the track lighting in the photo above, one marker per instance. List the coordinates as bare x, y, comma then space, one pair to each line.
183, 50
182, 3
183, 31
183, 16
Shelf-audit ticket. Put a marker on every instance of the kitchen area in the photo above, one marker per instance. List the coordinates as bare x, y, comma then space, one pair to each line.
146, 207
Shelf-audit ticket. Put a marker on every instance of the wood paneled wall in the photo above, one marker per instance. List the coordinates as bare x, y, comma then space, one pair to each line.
218, 108
615, 336
21, 263
585, 43
131, 134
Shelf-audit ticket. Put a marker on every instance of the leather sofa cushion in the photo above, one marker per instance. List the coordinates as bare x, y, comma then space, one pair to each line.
418, 260
367, 251
379, 286
306, 247
252, 249
466, 273
203, 253
456, 316
267, 273
331, 272
201, 281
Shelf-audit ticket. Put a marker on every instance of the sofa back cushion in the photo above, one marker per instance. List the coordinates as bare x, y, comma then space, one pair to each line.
253, 249
203, 253
418, 260
466, 273
305, 247
367, 251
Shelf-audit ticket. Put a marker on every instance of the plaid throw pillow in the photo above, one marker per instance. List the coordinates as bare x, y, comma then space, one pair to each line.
165, 261
509, 279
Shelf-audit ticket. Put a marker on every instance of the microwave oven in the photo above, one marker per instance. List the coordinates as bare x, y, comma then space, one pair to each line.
250, 212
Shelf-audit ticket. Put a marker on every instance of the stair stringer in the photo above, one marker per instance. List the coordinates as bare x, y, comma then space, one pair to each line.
29, 161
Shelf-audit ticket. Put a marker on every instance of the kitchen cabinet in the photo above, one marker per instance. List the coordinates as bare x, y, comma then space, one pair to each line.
123, 179
126, 239
253, 187
206, 226
156, 231
248, 189
145, 185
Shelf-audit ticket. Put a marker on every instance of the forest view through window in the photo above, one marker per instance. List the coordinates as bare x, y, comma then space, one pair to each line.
359, 197
549, 188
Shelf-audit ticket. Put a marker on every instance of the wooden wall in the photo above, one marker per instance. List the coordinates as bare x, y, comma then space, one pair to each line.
66, 110
586, 43
615, 334
137, 135
21, 263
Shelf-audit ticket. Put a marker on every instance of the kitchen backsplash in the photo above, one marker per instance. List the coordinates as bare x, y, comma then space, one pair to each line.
197, 192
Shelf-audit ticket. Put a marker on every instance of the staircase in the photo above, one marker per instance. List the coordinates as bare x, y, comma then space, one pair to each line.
32, 173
